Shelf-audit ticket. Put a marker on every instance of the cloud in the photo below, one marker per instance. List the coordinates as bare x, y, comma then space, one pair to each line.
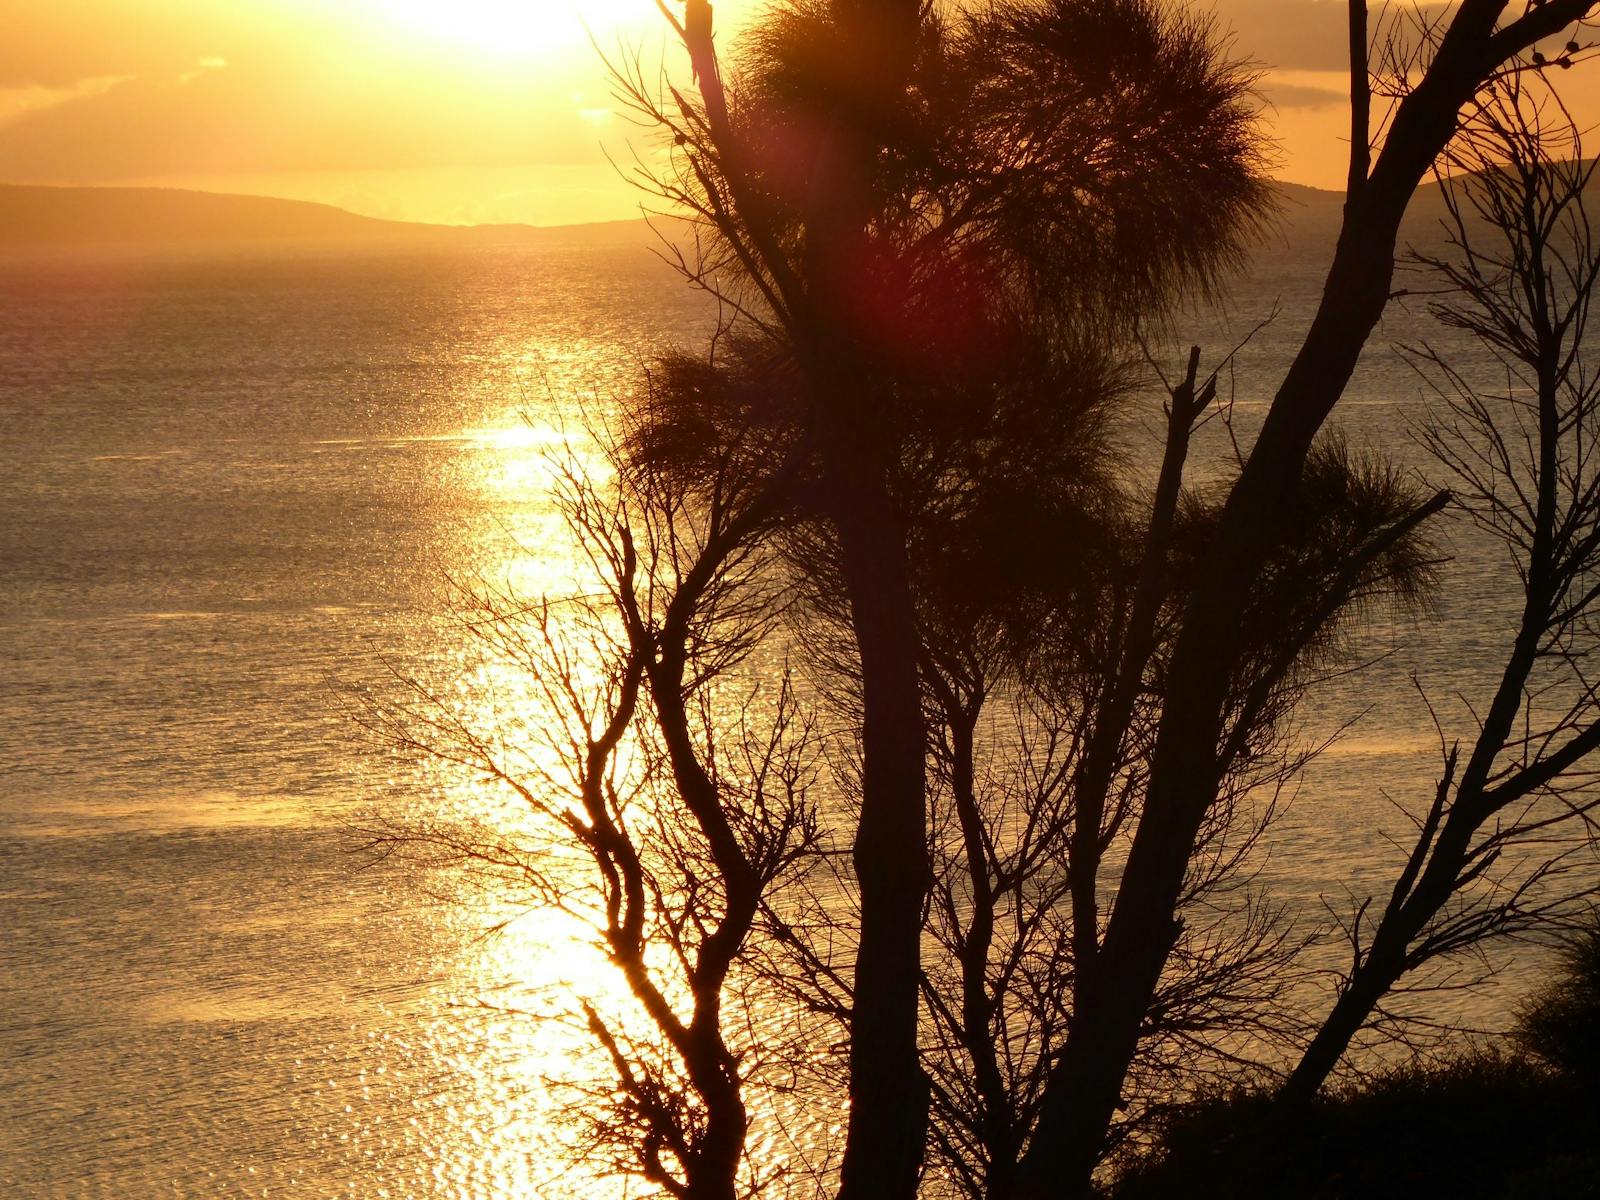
1291, 95
1307, 35
235, 121
16, 102
57, 44
211, 62
306, 94
102, 90
1313, 90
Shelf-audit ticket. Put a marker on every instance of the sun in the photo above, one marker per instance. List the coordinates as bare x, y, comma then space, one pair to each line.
543, 29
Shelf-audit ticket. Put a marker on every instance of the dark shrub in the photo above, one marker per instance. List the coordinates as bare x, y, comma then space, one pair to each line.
1486, 1127
1561, 1024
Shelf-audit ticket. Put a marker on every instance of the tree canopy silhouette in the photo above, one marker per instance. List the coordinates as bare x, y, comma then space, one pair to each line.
1015, 715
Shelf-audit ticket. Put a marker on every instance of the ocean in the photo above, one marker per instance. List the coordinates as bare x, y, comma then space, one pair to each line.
239, 494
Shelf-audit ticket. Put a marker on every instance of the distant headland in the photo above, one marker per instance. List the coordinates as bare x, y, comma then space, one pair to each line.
37, 216
44, 216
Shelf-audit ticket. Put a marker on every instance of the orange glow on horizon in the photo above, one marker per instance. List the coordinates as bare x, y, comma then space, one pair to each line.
520, 28
454, 111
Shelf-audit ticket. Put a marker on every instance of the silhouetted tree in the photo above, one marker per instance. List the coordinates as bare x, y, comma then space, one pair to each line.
1064, 704
1479, 40
889, 179
1495, 850
792, 181
659, 825
1014, 727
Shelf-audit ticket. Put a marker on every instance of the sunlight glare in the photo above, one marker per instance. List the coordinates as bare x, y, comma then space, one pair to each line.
522, 28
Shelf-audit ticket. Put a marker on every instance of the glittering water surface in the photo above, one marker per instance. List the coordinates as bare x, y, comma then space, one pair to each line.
233, 493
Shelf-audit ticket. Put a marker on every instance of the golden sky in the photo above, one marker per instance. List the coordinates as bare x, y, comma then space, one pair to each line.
439, 110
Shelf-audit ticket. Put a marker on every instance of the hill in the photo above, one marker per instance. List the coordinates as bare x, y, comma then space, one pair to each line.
39, 216
35, 216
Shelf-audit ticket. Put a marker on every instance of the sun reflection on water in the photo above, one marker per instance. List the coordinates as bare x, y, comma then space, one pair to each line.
527, 962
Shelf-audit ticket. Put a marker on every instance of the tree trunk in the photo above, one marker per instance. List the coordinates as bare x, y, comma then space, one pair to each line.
888, 1091
1342, 1023
1085, 1085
